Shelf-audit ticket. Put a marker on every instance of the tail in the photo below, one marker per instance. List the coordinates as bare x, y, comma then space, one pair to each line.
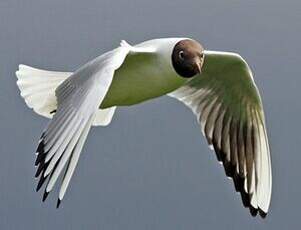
38, 90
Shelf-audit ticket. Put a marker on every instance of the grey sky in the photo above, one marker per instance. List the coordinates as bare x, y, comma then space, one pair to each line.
151, 168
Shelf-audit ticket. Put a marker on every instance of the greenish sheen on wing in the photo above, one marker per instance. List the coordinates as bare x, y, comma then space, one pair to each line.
141, 77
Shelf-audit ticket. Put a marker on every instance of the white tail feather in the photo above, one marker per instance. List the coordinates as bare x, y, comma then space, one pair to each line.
38, 90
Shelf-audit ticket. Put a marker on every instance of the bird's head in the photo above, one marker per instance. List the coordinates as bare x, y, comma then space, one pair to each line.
187, 58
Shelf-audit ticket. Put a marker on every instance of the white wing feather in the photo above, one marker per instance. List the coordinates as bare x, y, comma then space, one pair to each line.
38, 87
78, 99
228, 106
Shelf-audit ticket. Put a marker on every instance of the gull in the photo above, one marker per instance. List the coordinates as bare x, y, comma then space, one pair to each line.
217, 86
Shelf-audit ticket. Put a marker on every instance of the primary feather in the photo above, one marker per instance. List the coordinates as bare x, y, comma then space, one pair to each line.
78, 100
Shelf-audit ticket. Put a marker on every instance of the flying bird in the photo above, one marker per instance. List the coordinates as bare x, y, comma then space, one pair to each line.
217, 86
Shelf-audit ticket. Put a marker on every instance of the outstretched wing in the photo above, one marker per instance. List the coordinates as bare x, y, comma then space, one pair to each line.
227, 104
78, 99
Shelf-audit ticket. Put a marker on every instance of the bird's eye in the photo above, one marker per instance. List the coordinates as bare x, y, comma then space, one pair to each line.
181, 54
202, 55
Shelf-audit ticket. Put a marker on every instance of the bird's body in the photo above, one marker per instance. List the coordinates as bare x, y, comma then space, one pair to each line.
217, 86
137, 80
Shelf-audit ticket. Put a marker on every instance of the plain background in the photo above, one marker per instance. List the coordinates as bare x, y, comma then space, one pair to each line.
151, 168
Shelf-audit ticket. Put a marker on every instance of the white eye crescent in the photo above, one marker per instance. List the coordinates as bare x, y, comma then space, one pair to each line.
181, 54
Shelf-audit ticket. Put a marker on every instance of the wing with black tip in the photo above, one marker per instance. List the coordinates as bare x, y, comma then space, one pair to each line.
228, 107
78, 100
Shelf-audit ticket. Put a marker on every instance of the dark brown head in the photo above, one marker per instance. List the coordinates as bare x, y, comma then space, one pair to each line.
187, 58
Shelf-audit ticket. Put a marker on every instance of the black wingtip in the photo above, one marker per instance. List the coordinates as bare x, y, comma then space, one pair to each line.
40, 152
45, 195
58, 203
218, 153
238, 181
38, 159
41, 182
253, 211
41, 145
262, 213
40, 169
229, 169
53, 111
